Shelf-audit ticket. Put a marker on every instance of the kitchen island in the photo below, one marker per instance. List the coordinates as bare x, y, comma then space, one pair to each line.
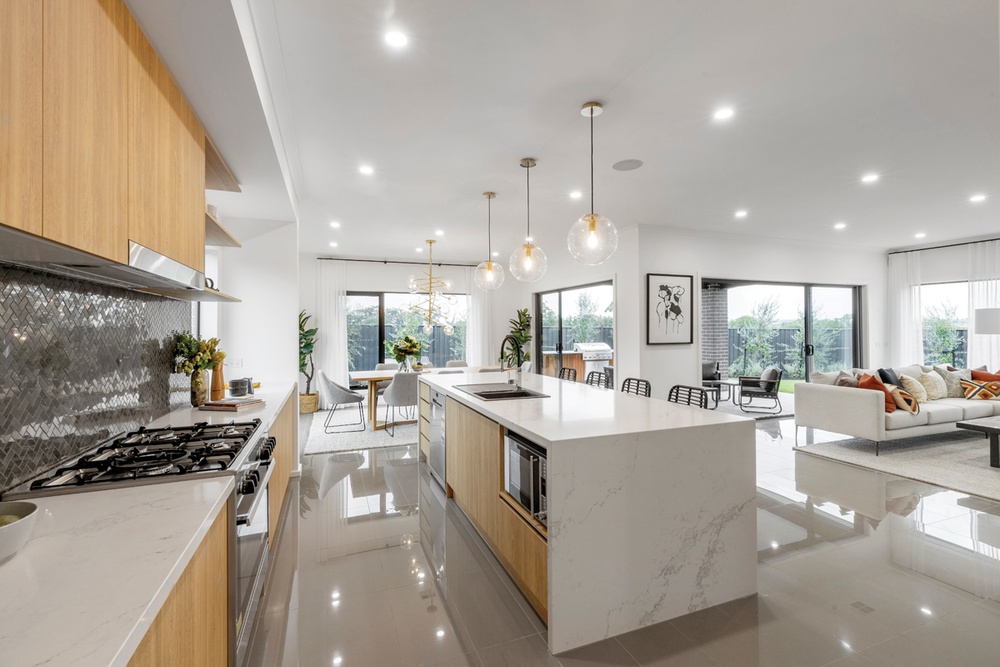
651, 505
108, 573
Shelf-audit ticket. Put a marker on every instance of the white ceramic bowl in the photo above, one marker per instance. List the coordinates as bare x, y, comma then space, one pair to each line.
14, 535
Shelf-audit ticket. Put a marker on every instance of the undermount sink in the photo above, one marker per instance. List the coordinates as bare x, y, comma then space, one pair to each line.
499, 391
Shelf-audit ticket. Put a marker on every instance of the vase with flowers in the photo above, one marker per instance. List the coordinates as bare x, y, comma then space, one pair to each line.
404, 351
195, 357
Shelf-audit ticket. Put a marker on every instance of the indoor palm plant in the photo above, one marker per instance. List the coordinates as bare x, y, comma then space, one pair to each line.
308, 402
520, 329
195, 357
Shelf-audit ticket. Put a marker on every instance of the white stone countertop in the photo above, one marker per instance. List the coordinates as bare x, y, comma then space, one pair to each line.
98, 567
575, 411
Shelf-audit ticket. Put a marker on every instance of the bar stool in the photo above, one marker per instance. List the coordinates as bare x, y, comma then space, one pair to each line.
598, 379
567, 374
686, 395
636, 386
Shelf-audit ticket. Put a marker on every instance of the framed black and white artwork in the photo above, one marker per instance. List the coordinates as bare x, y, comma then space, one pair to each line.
669, 309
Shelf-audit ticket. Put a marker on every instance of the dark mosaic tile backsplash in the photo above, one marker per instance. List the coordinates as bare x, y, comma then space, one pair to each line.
79, 362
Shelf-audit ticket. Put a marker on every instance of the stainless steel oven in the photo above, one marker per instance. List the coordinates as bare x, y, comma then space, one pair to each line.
252, 551
525, 471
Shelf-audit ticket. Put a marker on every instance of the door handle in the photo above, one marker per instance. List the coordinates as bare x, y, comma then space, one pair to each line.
810, 350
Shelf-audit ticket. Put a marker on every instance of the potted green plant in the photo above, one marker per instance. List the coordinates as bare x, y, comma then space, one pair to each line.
520, 329
195, 357
308, 402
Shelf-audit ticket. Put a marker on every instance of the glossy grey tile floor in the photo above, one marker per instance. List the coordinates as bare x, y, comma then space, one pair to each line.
855, 568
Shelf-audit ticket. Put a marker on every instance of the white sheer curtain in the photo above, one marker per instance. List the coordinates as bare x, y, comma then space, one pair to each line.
479, 333
984, 292
905, 321
331, 318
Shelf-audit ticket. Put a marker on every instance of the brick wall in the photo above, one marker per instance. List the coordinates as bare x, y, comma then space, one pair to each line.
715, 327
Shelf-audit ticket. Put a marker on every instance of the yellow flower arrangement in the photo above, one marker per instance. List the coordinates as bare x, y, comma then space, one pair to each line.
194, 355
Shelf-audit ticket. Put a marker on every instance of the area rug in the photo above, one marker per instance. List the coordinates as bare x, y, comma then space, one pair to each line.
320, 442
959, 461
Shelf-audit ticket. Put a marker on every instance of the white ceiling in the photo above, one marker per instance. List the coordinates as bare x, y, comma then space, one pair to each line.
823, 90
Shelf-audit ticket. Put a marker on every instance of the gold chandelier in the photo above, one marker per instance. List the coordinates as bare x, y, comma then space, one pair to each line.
436, 306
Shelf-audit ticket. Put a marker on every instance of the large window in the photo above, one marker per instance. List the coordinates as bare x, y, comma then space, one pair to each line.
376, 317
945, 312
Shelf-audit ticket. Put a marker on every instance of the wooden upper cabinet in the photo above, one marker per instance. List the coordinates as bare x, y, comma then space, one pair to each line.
21, 114
84, 121
166, 148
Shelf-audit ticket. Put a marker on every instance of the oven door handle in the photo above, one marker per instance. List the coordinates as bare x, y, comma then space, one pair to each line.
253, 499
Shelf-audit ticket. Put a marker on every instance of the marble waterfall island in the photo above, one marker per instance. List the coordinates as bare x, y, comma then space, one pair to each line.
651, 505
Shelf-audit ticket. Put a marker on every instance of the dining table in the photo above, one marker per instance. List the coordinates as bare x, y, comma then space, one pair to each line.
374, 377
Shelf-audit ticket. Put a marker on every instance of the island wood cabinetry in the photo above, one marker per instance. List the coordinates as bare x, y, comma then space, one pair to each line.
192, 627
475, 475
285, 432
99, 145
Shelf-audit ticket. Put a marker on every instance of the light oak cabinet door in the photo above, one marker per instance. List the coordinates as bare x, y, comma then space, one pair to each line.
166, 148
285, 431
474, 465
21, 115
192, 627
85, 126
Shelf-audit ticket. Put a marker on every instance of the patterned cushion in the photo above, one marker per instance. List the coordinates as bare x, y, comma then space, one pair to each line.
934, 385
913, 386
872, 382
953, 380
904, 399
985, 391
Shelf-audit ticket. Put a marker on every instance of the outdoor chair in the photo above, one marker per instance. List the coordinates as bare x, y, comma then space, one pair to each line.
762, 387
402, 392
610, 372
337, 395
567, 374
711, 379
636, 386
598, 379
685, 395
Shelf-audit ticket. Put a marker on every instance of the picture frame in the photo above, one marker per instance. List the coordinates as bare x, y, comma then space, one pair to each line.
669, 309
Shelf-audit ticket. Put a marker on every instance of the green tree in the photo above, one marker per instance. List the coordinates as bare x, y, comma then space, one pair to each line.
758, 331
358, 319
940, 334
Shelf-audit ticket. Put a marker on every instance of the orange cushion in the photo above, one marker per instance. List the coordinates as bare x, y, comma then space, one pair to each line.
872, 382
984, 376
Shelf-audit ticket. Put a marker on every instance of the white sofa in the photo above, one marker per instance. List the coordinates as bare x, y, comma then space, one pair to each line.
861, 412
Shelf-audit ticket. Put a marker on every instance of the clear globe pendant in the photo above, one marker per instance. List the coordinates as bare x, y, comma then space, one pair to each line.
592, 239
528, 263
488, 275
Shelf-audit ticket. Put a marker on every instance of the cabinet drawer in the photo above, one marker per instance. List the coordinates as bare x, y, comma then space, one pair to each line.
425, 392
425, 447
425, 427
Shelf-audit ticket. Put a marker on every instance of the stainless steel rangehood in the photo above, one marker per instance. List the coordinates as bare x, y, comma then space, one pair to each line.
146, 269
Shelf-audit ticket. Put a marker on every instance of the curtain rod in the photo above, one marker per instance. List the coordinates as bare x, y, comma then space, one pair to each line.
947, 245
391, 261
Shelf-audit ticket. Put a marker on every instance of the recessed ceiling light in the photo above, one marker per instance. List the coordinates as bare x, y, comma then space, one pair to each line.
576, 194
440, 633
840, 225
419, 249
627, 165
496, 254
919, 235
724, 113
396, 39
528, 239
333, 244
975, 199
870, 177
366, 169
439, 232
335, 224
742, 213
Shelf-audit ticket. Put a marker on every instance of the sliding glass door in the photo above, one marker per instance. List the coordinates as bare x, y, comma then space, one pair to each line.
564, 318
831, 336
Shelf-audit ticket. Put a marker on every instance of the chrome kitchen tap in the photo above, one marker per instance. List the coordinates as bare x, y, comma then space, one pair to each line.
518, 355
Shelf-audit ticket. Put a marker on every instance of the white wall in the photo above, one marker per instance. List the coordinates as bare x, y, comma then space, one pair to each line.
749, 258
646, 249
261, 334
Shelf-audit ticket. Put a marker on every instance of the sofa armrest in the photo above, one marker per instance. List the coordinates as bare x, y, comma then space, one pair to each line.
847, 410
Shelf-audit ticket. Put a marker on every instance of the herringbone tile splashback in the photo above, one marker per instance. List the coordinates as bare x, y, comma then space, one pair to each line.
79, 362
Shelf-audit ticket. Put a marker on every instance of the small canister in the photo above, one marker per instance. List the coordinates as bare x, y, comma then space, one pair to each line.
238, 387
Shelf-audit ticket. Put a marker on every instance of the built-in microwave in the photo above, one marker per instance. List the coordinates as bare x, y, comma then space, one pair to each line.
525, 470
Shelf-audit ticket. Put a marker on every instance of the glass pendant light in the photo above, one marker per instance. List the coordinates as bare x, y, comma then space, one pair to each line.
593, 238
489, 275
528, 262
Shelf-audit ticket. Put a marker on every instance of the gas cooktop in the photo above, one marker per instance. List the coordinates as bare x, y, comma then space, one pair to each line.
147, 455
